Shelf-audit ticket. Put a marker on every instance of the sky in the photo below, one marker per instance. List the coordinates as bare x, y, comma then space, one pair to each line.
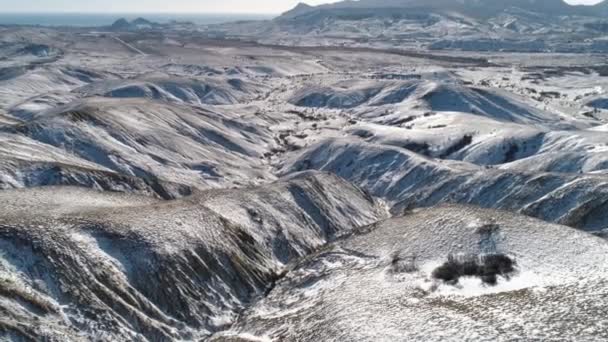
167, 6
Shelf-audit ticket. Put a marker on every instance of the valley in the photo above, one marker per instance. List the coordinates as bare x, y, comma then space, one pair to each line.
175, 182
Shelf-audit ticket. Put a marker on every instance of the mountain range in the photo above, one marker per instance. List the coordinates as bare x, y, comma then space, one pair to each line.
471, 8
467, 25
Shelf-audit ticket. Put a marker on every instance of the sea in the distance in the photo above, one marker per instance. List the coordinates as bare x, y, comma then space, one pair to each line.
105, 19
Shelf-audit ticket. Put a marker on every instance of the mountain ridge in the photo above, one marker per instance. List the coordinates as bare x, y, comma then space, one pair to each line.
475, 8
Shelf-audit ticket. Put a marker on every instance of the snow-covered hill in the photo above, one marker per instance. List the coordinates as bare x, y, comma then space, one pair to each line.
28, 83
381, 284
371, 98
183, 182
409, 180
79, 264
206, 91
153, 140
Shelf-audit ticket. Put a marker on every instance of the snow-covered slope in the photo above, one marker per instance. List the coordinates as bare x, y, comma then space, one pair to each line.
409, 180
28, 51
381, 284
446, 93
20, 83
205, 91
78, 264
27, 163
483, 141
154, 140
168, 183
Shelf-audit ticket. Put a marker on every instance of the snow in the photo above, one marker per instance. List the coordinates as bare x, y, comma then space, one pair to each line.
172, 185
355, 300
206, 91
134, 137
122, 251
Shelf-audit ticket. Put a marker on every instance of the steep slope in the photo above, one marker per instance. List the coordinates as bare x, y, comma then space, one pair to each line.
409, 180
28, 163
371, 98
79, 264
204, 91
154, 140
20, 83
301, 8
382, 284
485, 141
29, 108
25, 51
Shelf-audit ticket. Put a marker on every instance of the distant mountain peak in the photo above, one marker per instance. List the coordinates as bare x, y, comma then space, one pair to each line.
300, 8
474, 8
139, 23
120, 23
302, 5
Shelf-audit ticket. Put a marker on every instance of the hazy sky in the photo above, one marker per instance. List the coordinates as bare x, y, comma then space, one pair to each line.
169, 6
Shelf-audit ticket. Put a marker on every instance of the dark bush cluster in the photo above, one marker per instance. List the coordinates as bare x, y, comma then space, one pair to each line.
401, 264
487, 267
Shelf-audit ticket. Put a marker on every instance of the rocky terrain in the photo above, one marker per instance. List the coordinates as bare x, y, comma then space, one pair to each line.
381, 282
345, 172
469, 25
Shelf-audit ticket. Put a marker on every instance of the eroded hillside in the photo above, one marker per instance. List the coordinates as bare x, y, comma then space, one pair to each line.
165, 185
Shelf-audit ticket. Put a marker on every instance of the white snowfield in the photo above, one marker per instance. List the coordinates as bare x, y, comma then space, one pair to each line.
364, 171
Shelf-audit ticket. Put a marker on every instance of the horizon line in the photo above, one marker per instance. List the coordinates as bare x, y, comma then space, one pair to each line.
143, 12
